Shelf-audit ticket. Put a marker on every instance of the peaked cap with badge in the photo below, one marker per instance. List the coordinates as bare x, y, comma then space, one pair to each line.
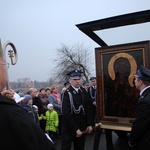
66, 83
86, 83
143, 73
92, 78
75, 74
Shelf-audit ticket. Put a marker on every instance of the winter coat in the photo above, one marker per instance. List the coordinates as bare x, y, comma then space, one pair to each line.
44, 100
32, 114
57, 107
52, 120
37, 101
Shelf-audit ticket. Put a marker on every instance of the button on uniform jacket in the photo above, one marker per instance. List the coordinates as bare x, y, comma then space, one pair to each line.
73, 121
140, 133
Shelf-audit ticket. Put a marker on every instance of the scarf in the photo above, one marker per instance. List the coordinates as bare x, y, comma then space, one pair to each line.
57, 97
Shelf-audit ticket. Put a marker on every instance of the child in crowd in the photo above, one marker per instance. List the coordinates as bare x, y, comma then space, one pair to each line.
30, 109
36, 110
52, 121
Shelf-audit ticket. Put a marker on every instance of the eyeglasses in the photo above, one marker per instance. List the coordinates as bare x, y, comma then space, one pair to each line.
5, 64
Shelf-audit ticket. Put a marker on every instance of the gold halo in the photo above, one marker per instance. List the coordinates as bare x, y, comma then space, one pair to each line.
132, 64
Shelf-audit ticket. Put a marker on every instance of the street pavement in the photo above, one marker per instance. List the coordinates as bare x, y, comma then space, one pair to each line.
119, 143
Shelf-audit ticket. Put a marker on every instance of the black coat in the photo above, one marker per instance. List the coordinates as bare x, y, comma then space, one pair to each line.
71, 121
17, 131
140, 133
37, 101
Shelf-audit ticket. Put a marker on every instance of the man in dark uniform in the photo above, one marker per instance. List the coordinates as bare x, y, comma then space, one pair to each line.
92, 95
86, 85
76, 117
17, 130
140, 133
98, 131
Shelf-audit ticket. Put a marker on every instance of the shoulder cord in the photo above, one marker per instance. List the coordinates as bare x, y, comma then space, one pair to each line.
76, 111
93, 97
62, 100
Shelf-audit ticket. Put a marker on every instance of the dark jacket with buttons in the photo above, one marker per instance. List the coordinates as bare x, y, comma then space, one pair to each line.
73, 121
140, 133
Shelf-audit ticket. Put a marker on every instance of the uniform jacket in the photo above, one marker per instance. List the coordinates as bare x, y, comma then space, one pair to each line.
17, 131
71, 121
92, 94
52, 120
140, 133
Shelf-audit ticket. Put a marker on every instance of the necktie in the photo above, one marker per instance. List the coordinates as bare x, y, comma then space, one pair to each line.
79, 91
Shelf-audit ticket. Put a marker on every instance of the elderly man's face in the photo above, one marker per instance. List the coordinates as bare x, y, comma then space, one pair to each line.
3, 74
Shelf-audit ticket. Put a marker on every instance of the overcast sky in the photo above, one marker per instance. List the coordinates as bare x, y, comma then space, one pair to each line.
38, 27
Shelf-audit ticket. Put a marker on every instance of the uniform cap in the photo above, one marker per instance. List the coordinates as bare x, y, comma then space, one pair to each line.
143, 73
75, 74
66, 83
92, 78
85, 83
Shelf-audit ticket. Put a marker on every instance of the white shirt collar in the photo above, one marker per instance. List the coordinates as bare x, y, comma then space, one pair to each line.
76, 89
144, 90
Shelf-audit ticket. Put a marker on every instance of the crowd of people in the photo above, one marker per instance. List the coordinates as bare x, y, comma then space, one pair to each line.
48, 109
67, 114
44, 106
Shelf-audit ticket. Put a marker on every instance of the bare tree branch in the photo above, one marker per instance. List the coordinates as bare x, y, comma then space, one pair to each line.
69, 58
